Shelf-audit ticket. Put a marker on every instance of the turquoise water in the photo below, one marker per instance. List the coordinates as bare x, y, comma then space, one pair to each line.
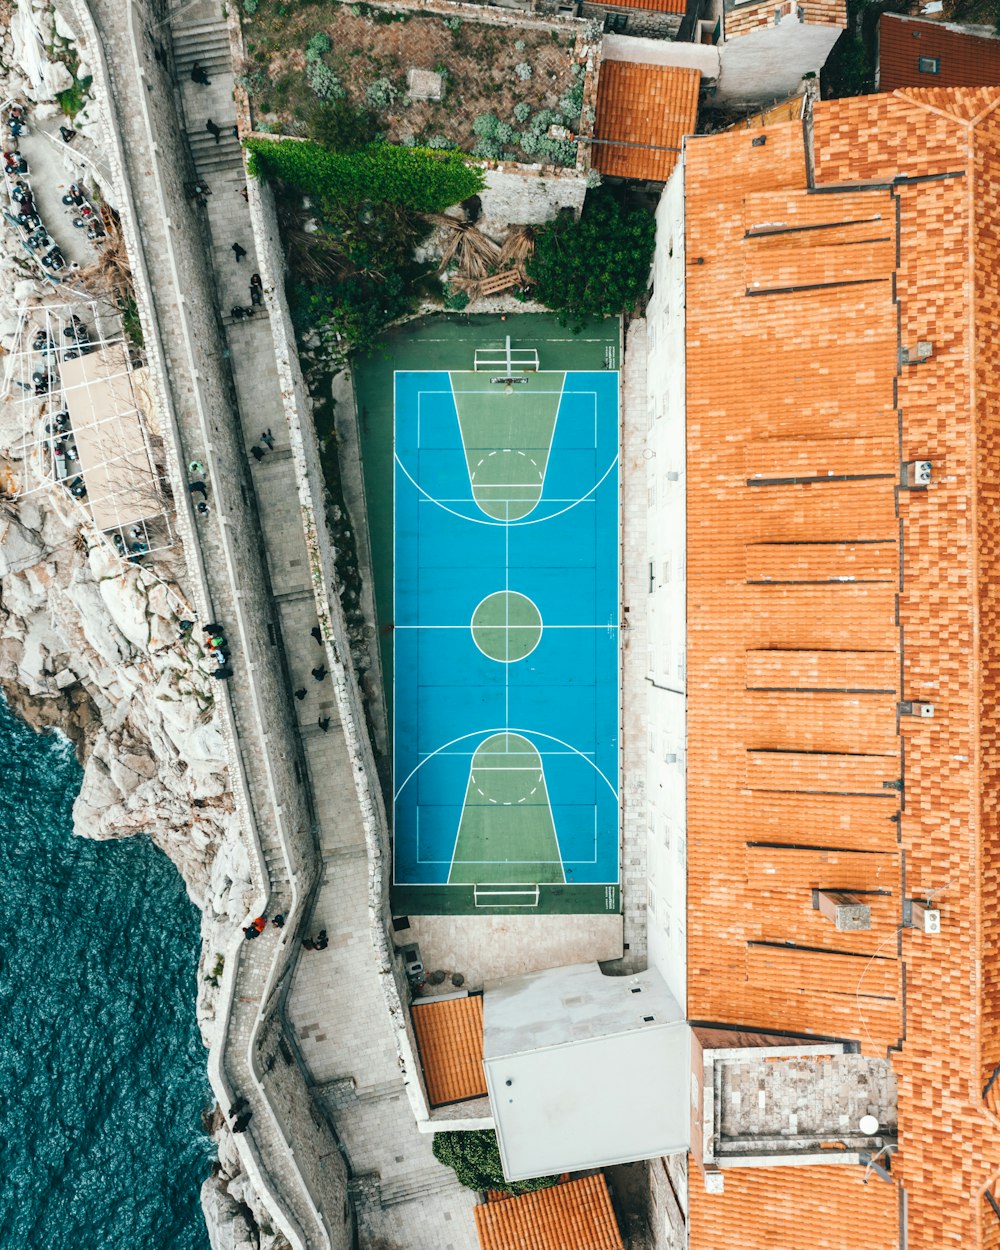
102, 1070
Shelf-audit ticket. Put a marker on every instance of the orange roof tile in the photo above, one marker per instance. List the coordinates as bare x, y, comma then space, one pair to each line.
450, 1041
964, 59
657, 6
573, 1216
650, 106
818, 595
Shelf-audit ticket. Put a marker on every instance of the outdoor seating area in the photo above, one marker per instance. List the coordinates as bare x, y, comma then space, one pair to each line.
86, 422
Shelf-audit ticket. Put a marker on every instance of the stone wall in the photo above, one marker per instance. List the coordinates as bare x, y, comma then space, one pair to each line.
306, 456
642, 22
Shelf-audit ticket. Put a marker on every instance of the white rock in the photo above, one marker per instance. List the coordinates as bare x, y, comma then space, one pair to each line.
57, 78
63, 29
23, 291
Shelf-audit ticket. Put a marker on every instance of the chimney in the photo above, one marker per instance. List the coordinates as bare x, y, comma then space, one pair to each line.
847, 911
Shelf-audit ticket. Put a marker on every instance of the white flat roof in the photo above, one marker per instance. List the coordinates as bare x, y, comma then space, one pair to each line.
107, 427
585, 1071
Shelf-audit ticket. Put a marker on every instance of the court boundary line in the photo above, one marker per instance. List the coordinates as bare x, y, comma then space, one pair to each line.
613, 628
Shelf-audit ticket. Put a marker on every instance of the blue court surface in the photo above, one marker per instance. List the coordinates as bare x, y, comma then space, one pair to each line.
506, 642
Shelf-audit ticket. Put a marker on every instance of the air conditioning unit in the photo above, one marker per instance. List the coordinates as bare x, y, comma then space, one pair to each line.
912, 708
917, 474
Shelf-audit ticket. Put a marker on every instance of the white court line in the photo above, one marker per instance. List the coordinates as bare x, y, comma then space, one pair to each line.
474, 520
483, 734
468, 626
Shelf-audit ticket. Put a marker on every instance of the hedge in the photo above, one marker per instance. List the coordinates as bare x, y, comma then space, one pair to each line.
423, 179
474, 1156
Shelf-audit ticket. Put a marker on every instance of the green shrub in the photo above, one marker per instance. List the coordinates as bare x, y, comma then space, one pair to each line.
317, 46
488, 150
597, 266
455, 300
250, 7
382, 93
475, 1159
522, 112
323, 81
440, 143
424, 180
523, 70
485, 125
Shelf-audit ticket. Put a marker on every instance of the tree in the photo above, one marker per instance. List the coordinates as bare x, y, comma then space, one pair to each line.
597, 266
474, 1157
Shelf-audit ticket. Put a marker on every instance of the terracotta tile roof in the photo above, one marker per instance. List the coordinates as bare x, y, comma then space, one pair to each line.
655, 6
744, 18
450, 1041
653, 105
964, 59
822, 1208
573, 1216
818, 595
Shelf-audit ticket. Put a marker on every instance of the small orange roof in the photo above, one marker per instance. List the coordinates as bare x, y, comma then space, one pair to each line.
574, 1216
656, 6
648, 107
450, 1041
952, 57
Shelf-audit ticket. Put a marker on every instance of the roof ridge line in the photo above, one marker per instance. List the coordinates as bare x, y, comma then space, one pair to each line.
966, 122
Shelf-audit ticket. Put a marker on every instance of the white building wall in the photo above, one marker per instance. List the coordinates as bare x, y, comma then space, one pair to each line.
767, 65
666, 598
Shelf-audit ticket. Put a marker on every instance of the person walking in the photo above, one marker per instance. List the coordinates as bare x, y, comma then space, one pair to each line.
268, 438
239, 1105
257, 453
196, 467
198, 488
250, 933
256, 289
320, 672
239, 252
214, 130
213, 627
324, 723
241, 1122
200, 75
279, 920
300, 694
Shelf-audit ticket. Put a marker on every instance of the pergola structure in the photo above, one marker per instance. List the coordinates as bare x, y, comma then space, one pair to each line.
88, 425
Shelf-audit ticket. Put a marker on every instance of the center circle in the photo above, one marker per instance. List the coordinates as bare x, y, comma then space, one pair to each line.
506, 626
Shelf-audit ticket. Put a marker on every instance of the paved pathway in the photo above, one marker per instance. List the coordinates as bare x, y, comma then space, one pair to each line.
336, 1003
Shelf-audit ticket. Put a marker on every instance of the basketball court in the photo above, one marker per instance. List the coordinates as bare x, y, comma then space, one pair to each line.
505, 633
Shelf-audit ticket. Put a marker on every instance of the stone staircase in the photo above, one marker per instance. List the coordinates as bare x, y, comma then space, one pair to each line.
208, 44
416, 1185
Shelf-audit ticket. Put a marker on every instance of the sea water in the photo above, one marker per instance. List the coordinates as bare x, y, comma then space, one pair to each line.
102, 1070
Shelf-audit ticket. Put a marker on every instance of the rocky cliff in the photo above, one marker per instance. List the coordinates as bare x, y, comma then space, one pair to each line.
92, 644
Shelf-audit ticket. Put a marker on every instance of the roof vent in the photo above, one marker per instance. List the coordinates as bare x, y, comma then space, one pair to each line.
917, 474
868, 1124
910, 708
923, 351
847, 911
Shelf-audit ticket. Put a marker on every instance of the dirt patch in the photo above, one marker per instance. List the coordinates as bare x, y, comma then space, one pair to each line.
518, 83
